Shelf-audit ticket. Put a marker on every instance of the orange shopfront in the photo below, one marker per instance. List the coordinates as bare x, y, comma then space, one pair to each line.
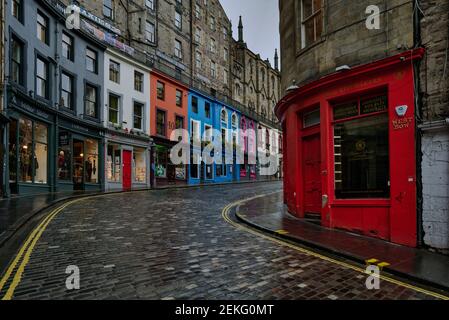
349, 146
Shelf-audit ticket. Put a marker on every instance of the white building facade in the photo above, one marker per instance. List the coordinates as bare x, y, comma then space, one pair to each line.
127, 119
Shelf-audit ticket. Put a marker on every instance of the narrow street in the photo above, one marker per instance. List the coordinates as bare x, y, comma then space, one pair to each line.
175, 244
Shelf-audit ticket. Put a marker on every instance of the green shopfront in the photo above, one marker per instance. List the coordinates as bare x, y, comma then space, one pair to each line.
30, 146
79, 156
49, 151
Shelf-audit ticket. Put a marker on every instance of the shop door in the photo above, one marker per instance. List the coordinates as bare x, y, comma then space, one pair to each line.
312, 177
78, 165
127, 164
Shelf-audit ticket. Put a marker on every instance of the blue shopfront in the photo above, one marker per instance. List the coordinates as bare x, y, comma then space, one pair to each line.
207, 117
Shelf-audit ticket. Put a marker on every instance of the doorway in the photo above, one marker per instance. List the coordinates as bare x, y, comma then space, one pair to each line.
78, 165
312, 175
127, 172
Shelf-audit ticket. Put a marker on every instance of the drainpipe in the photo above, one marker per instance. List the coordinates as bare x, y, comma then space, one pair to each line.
418, 134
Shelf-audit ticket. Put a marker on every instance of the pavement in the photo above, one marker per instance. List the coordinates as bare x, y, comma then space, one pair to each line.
270, 215
174, 244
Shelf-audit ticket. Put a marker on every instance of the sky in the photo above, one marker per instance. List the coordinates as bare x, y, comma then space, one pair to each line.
260, 24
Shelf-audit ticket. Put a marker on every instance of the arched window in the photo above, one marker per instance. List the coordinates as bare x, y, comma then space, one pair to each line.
224, 116
262, 72
234, 120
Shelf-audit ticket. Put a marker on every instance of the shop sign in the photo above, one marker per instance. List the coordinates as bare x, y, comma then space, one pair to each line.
64, 139
373, 105
401, 111
346, 110
27, 107
108, 38
404, 123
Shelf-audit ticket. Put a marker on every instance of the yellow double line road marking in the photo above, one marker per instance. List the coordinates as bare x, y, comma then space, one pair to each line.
225, 215
25, 252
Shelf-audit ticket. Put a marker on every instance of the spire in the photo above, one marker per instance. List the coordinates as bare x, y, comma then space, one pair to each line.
276, 59
240, 29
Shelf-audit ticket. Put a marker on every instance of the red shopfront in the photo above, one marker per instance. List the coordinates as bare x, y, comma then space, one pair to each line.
349, 146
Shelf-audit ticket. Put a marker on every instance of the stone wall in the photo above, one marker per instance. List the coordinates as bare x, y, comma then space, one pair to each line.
345, 39
435, 178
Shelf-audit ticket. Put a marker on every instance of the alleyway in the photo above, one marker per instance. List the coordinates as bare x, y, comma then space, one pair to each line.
175, 244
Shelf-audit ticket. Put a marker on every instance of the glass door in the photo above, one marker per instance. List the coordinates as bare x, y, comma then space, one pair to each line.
13, 151
78, 165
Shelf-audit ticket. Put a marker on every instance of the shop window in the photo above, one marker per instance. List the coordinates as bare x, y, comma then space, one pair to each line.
13, 152
138, 115
311, 22
114, 163
33, 153
161, 162
311, 119
161, 122
91, 161
361, 151
140, 171
194, 165
64, 156
17, 61
114, 109
209, 172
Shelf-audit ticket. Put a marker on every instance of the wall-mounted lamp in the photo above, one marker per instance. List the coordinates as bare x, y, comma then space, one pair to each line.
343, 68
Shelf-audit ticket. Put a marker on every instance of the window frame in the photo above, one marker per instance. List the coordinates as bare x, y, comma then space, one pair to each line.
73, 90
47, 81
71, 46
95, 60
313, 16
142, 117
46, 27
97, 98
159, 110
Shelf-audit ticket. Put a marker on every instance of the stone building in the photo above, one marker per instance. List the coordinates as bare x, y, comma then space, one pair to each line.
433, 119
256, 84
159, 28
211, 46
341, 76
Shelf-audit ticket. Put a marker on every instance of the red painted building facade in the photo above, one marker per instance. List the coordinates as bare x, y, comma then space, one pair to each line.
350, 152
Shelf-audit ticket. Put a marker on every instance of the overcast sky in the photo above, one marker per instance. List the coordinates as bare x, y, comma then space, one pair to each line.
260, 24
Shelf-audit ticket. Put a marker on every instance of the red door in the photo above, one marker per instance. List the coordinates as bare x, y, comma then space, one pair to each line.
127, 164
312, 177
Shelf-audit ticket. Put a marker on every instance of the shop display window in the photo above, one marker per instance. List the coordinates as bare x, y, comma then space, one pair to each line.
13, 152
361, 151
140, 171
161, 162
114, 163
33, 151
64, 156
91, 161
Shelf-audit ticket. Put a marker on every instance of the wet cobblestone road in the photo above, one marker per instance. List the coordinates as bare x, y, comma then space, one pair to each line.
174, 244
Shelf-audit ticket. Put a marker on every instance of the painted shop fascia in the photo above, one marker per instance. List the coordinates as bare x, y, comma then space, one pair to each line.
349, 144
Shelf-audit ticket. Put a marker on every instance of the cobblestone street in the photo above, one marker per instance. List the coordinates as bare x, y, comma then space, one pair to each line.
175, 244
